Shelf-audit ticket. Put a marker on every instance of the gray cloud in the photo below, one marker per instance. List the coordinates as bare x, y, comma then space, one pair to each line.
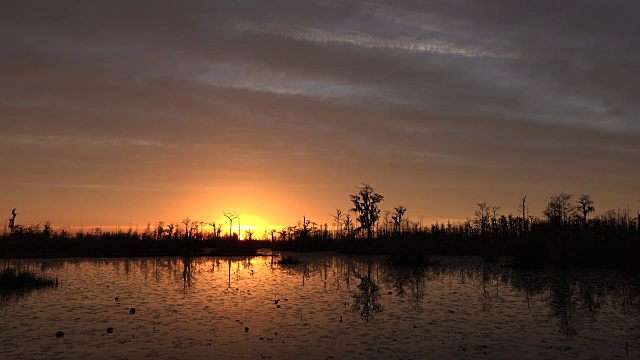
538, 93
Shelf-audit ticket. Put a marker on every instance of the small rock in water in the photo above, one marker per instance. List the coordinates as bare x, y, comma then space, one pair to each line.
59, 334
246, 329
278, 306
132, 311
109, 330
116, 298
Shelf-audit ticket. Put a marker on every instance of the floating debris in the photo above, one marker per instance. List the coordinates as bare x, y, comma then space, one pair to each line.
132, 311
246, 329
59, 334
109, 330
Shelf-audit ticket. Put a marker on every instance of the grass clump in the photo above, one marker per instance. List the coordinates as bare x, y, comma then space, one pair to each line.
10, 279
289, 260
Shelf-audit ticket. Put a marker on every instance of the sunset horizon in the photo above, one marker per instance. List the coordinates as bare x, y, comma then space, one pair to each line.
315, 179
281, 110
260, 225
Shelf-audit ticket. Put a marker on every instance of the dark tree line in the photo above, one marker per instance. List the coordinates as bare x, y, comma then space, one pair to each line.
188, 237
567, 233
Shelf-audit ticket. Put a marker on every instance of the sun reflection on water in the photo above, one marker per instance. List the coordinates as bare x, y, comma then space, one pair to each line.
327, 305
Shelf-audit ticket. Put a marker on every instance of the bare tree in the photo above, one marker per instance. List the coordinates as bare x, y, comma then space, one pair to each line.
523, 207
482, 217
272, 232
170, 229
337, 222
12, 221
231, 217
348, 224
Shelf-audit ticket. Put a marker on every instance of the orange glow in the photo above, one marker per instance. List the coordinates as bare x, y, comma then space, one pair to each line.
256, 224
260, 208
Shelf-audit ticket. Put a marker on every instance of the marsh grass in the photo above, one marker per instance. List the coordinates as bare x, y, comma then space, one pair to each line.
14, 280
289, 260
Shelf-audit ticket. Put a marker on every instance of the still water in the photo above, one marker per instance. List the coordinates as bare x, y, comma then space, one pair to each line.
329, 306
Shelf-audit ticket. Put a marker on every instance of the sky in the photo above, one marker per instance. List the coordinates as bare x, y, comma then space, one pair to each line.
129, 112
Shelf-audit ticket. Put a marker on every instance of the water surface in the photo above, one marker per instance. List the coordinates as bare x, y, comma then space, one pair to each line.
330, 306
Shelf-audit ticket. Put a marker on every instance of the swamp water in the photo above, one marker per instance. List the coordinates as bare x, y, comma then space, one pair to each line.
329, 306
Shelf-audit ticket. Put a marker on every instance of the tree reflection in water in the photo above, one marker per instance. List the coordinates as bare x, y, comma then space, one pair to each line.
366, 299
574, 299
402, 276
186, 274
563, 304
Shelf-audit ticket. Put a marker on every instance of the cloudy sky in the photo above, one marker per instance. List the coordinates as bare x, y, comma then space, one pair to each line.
124, 112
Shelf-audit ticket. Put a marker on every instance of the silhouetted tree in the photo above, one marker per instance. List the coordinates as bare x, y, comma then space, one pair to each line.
47, 229
231, 217
337, 222
272, 232
493, 210
348, 224
365, 204
12, 221
585, 206
525, 224
170, 231
559, 208
482, 217
159, 230
397, 218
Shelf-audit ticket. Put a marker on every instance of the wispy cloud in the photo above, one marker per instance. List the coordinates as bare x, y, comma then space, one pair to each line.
56, 140
253, 77
64, 186
368, 41
115, 187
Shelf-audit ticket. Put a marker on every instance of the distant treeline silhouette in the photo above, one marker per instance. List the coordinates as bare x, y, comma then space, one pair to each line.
567, 234
174, 239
